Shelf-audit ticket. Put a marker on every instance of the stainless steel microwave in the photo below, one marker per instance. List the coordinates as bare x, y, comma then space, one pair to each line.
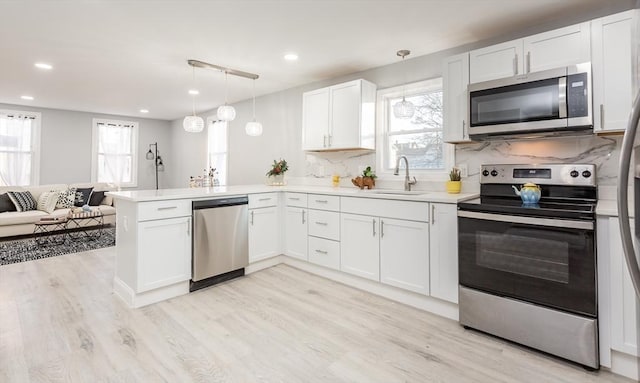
551, 102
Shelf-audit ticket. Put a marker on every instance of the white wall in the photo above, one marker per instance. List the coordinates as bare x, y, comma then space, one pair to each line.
65, 145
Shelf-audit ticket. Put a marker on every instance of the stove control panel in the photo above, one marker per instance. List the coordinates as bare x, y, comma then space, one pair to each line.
544, 174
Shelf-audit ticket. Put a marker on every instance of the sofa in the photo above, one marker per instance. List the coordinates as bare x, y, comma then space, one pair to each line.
14, 223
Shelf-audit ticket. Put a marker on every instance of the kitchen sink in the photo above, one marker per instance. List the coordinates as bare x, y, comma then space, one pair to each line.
399, 192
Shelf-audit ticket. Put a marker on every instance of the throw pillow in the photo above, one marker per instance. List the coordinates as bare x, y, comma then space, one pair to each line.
82, 196
66, 198
47, 201
96, 198
23, 201
6, 204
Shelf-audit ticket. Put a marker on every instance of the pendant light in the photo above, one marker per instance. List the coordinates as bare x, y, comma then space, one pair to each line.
226, 112
254, 128
403, 109
193, 123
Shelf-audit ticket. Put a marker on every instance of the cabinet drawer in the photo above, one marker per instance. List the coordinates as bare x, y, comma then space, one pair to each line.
325, 224
148, 211
263, 200
324, 252
324, 202
296, 199
409, 210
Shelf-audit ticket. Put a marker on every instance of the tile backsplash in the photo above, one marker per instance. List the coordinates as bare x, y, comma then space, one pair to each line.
603, 151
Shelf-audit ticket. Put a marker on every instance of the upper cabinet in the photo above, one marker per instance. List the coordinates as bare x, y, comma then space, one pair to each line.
612, 68
455, 73
339, 117
553, 49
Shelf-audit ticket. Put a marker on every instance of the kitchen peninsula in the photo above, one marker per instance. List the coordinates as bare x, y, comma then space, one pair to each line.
396, 244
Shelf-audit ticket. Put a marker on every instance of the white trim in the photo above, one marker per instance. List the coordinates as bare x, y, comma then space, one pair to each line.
35, 142
134, 149
381, 118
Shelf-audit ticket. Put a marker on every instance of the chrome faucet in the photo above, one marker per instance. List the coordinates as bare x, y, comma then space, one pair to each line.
407, 180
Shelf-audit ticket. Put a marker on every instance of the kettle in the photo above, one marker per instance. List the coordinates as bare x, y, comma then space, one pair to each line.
529, 193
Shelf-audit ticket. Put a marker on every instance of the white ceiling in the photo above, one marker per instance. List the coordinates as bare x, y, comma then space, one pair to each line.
117, 57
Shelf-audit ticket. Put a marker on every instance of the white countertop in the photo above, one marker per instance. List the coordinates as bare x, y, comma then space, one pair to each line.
199, 193
609, 207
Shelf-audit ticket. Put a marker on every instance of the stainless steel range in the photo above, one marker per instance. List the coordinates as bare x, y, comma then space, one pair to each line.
528, 270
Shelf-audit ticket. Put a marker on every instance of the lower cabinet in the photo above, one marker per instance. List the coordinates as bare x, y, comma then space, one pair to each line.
295, 222
324, 252
164, 252
360, 246
443, 235
264, 233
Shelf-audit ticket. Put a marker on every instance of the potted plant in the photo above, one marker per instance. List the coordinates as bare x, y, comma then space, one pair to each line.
367, 179
454, 184
276, 174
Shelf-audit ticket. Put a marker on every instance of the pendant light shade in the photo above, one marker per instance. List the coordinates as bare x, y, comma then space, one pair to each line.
254, 128
193, 123
403, 109
226, 112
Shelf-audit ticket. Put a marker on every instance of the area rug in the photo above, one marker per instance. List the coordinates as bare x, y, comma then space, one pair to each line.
22, 250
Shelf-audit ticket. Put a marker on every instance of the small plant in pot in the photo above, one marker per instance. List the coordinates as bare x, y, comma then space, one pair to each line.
454, 184
276, 174
367, 179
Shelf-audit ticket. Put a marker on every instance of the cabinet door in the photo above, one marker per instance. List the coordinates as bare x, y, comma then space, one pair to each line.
456, 79
443, 255
404, 254
497, 61
624, 303
359, 246
612, 71
263, 233
164, 249
315, 119
295, 221
345, 108
558, 48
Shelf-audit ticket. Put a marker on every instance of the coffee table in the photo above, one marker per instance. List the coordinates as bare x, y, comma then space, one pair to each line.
86, 224
48, 231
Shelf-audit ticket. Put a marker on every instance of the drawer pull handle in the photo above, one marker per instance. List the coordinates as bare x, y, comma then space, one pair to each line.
381, 229
374, 227
322, 251
303, 221
167, 208
294, 198
252, 218
321, 223
322, 201
265, 199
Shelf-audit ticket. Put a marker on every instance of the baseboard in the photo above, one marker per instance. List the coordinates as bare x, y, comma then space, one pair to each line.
133, 300
264, 264
625, 365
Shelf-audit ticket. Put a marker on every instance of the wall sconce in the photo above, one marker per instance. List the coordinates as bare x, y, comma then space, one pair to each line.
159, 165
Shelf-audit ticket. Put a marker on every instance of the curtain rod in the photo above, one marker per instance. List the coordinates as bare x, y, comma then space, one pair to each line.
235, 72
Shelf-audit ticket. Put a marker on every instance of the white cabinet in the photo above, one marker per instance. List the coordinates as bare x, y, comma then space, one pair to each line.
624, 303
548, 50
455, 73
404, 254
339, 117
360, 246
443, 233
264, 226
164, 252
613, 77
295, 220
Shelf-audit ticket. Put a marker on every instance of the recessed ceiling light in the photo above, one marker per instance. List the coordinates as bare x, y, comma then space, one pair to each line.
144, 110
30, 98
291, 57
194, 92
44, 66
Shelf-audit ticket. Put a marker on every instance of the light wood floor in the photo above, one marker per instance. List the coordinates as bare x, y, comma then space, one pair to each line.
59, 322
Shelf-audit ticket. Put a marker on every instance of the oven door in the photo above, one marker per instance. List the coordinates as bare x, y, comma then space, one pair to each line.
551, 262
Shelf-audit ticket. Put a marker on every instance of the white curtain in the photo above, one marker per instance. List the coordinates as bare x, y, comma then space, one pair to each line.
115, 153
16, 152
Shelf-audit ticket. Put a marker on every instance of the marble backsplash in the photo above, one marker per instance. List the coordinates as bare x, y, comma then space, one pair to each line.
603, 151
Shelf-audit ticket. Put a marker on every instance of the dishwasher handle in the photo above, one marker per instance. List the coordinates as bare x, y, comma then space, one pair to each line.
220, 202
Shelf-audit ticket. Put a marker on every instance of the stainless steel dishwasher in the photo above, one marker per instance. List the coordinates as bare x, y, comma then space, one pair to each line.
220, 240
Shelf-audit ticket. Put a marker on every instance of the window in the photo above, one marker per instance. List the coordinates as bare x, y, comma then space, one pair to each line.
19, 148
418, 138
115, 146
217, 154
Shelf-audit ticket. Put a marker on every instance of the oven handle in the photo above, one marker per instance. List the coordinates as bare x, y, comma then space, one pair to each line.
550, 222
623, 204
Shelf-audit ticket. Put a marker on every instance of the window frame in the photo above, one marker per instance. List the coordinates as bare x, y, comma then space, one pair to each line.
382, 99
134, 150
35, 143
211, 120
